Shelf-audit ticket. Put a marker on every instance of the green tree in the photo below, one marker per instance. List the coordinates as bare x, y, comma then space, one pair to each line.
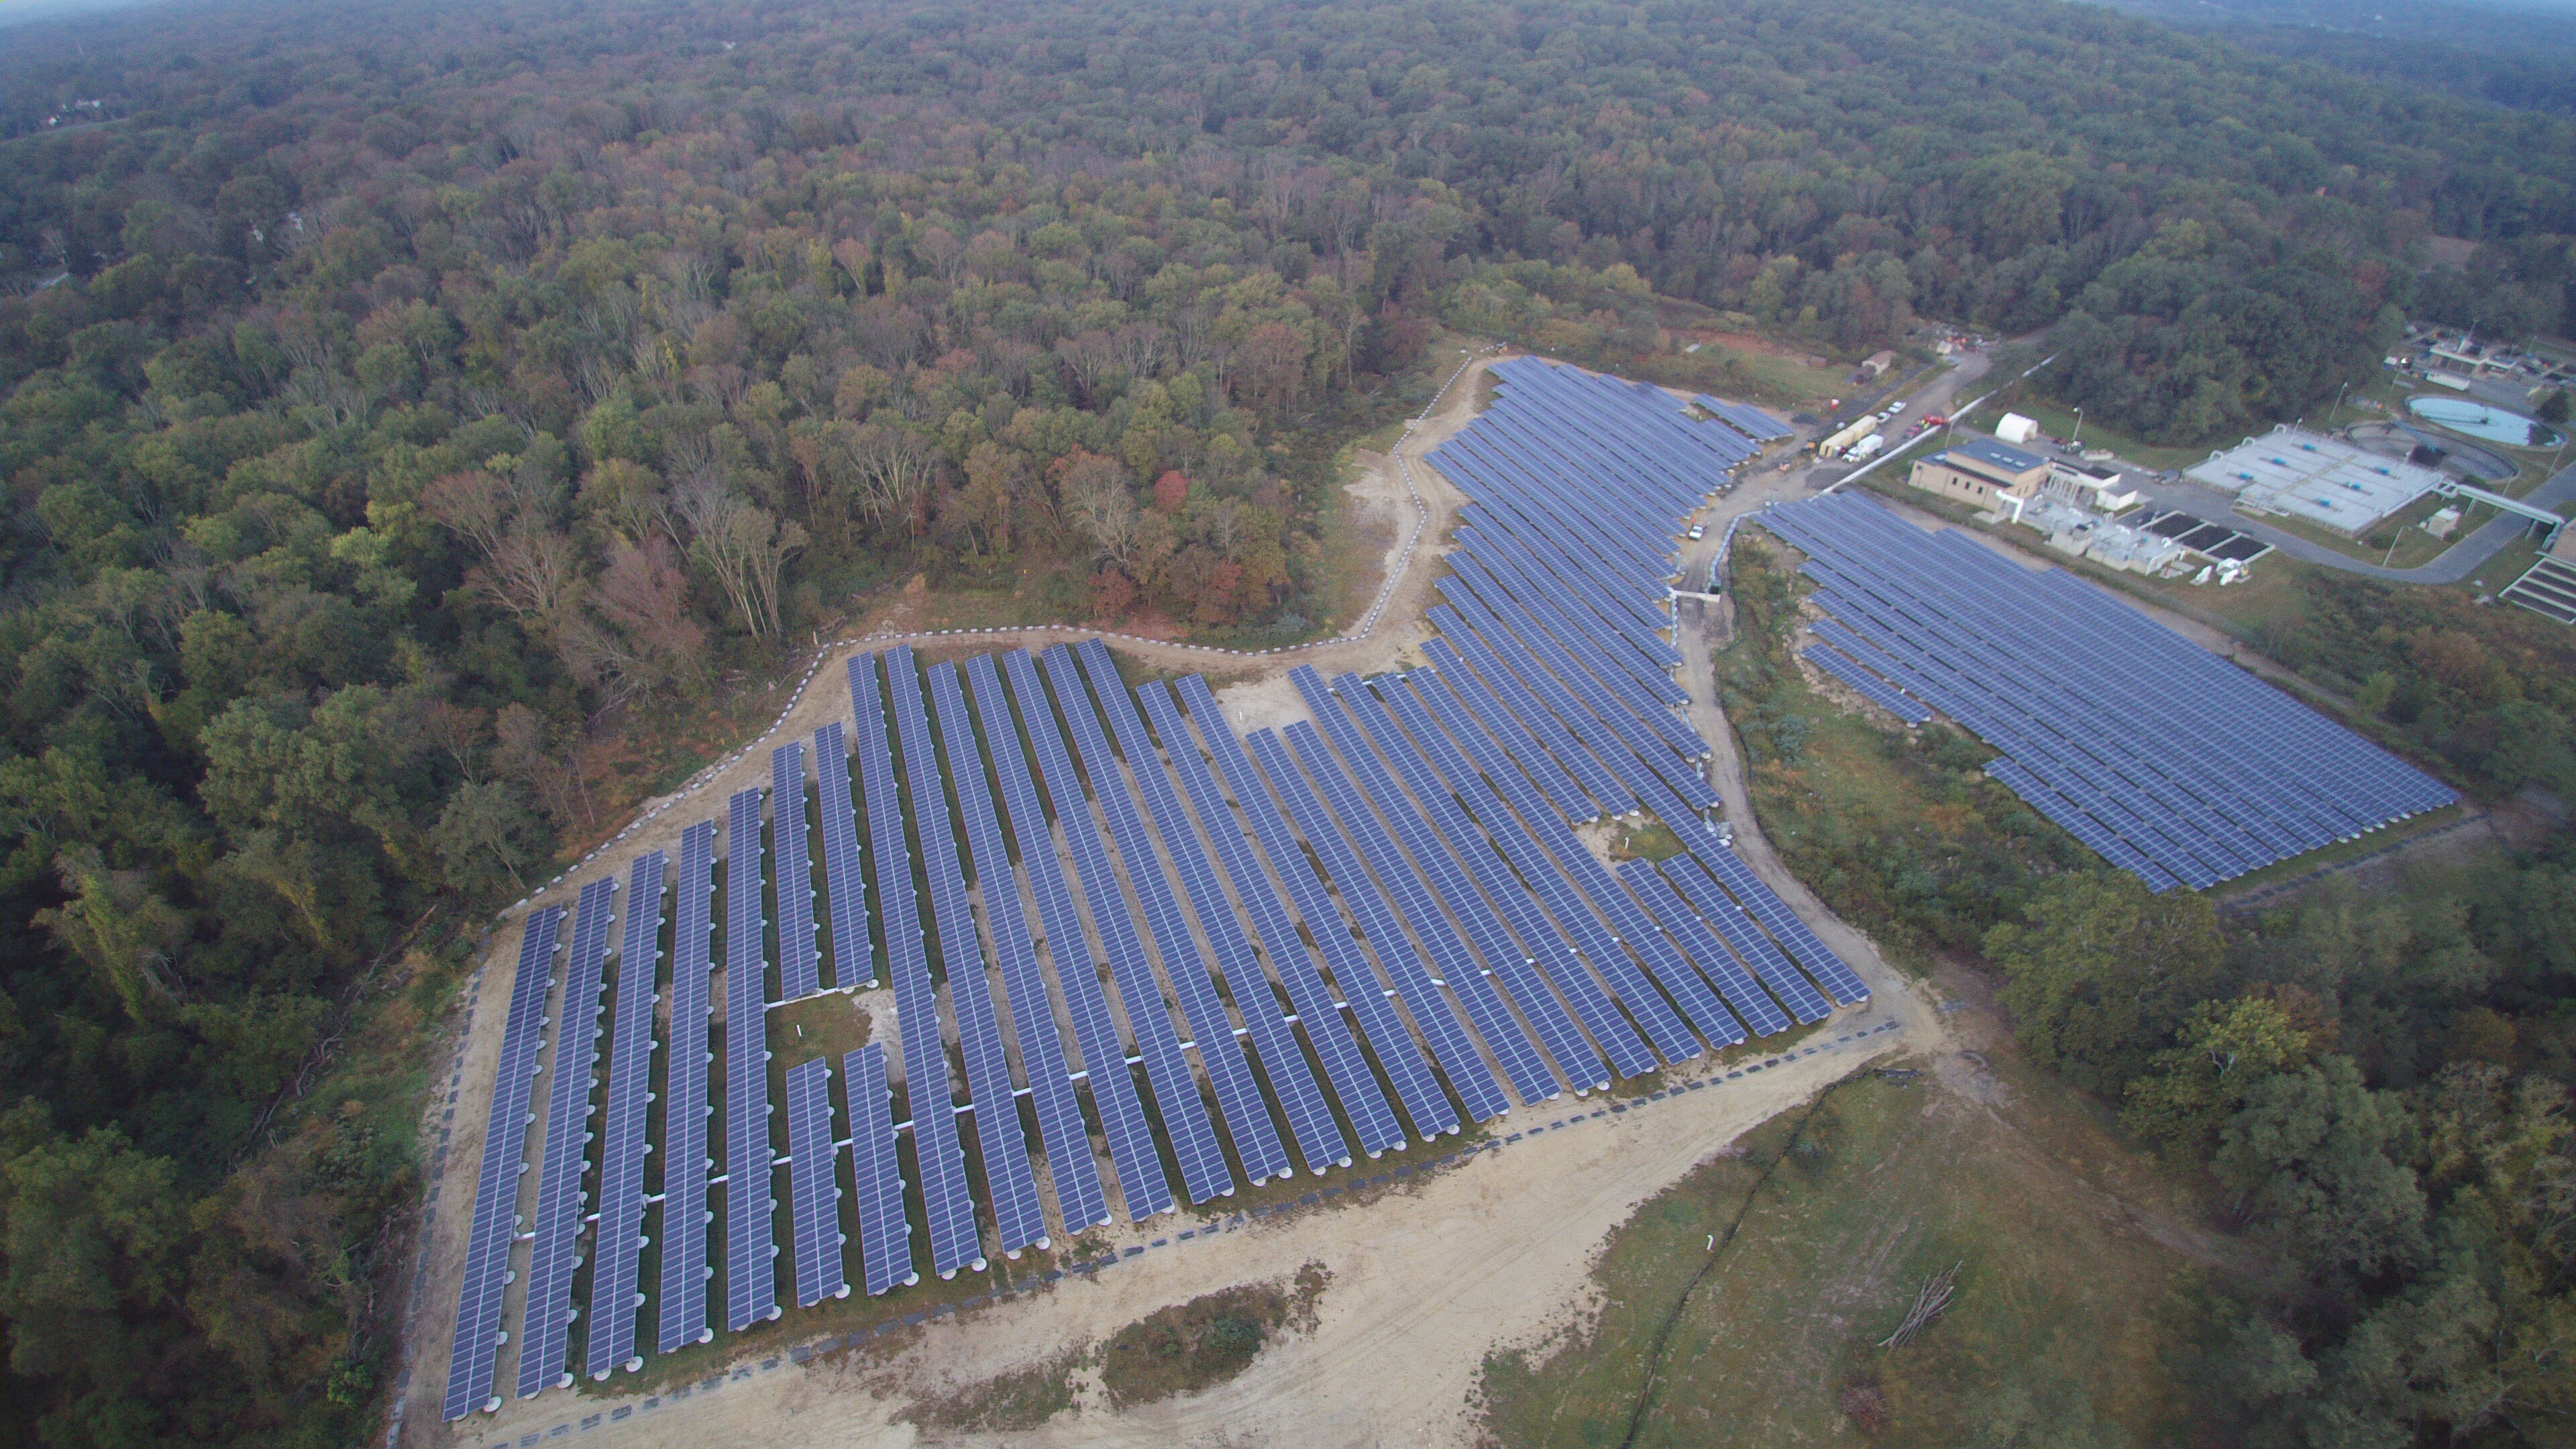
2100, 973
2188, 1092
2317, 1161
122, 929
486, 834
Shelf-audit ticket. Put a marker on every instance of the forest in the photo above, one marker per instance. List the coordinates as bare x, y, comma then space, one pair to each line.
418, 420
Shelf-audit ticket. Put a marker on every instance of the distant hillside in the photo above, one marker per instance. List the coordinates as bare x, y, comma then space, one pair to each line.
2522, 56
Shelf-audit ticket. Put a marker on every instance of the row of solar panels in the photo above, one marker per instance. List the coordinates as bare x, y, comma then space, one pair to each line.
1752, 422
2159, 756
1679, 946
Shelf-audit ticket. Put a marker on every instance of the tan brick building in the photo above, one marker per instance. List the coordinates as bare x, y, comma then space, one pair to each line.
1982, 473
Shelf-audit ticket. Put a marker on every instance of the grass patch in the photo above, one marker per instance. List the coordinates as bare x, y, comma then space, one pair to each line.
830, 1025
1742, 1304
2058, 421
1349, 552
1014, 1402
1651, 839
1210, 1339
1787, 378
2510, 563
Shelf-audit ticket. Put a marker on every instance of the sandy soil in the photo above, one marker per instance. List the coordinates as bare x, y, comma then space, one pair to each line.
1433, 1278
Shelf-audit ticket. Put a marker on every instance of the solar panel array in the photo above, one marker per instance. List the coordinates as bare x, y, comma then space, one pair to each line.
1256, 1137
618, 1246
1311, 1000
479, 1330
885, 1237
1077, 972
751, 1213
2158, 755
686, 1106
548, 1312
792, 853
1376, 927
954, 1240
1067, 1143
1176, 1096
1011, 1189
814, 1184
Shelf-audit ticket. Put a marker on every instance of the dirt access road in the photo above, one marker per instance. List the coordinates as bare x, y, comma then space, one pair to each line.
1429, 1277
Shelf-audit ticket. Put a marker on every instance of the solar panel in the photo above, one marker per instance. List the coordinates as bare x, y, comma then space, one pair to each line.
1010, 1187
615, 1278
1443, 847
885, 1236
685, 1107
1568, 855
1066, 1141
1077, 974
1203, 1164
799, 963
751, 1230
954, 1241
1433, 934
1312, 1001
479, 1331
814, 1184
548, 1312
1310, 1118
1706, 951
844, 879
1742, 933
1411, 980
2164, 759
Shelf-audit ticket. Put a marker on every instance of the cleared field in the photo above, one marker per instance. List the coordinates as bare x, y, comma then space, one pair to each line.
1745, 1305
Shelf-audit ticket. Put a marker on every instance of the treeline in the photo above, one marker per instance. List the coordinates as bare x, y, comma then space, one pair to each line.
2370, 1088
2243, 228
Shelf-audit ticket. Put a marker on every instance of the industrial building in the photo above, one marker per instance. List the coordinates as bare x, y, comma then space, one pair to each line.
2089, 485
1982, 472
2321, 480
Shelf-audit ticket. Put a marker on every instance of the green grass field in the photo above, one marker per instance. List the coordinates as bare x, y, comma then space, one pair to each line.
1824, 1226
2058, 422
